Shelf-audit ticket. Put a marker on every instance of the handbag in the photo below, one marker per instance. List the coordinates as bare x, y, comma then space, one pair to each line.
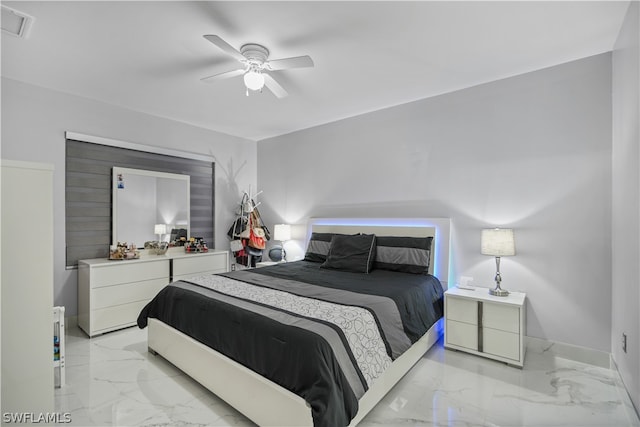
237, 227
256, 234
260, 223
246, 233
236, 245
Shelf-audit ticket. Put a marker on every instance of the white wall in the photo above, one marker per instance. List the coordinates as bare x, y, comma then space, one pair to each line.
531, 152
626, 203
34, 121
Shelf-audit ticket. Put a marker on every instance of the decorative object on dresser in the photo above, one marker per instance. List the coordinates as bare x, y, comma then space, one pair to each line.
281, 232
123, 251
196, 245
486, 325
156, 248
498, 242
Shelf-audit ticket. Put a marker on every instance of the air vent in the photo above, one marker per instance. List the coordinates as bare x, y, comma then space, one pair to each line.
15, 23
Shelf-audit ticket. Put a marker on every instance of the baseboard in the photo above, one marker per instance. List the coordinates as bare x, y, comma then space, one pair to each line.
614, 367
569, 351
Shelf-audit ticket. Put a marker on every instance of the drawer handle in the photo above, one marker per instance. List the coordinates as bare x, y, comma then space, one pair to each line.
480, 344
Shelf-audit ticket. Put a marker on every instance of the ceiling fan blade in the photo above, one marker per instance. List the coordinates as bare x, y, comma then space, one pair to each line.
274, 86
286, 63
216, 40
222, 76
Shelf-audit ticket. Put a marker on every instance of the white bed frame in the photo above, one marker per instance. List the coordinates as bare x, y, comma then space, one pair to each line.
259, 399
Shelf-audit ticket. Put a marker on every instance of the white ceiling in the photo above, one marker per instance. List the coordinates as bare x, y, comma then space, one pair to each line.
149, 56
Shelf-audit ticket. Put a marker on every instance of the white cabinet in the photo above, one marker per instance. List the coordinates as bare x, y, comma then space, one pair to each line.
111, 294
26, 274
486, 325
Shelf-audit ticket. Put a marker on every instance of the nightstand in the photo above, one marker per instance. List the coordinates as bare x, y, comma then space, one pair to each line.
486, 325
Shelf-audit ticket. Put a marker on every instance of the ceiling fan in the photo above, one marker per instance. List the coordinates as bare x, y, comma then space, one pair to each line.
256, 66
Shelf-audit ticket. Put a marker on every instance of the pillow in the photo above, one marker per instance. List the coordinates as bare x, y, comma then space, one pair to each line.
404, 254
318, 247
351, 253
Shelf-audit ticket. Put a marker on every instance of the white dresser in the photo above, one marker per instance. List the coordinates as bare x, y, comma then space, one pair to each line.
112, 293
486, 325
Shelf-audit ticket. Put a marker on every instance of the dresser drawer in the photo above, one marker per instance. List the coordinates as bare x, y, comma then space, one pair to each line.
462, 334
462, 310
128, 272
199, 265
120, 316
108, 296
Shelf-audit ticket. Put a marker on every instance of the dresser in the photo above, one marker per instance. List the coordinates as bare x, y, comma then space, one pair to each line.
111, 294
486, 325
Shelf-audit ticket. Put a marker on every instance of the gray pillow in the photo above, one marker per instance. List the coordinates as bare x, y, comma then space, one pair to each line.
351, 253
318, 247
404, 254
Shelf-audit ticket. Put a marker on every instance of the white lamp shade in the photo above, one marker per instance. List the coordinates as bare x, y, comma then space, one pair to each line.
160, 229
282, 232
498, 242
253, 80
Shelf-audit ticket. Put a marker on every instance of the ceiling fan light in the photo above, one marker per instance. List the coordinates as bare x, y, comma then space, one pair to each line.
253, 80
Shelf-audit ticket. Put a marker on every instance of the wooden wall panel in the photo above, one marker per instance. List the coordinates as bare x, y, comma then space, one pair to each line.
88, 194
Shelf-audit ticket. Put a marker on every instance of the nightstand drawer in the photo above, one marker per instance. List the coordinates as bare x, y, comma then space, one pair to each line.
500, 343
501, 316
462, 334
462, 310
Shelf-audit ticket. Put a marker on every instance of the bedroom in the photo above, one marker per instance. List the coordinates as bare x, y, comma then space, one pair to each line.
560, 168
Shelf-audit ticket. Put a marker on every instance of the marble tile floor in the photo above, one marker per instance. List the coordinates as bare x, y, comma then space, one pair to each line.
111, 380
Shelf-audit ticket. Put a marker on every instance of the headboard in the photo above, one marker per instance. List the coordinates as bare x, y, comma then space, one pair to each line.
439, 228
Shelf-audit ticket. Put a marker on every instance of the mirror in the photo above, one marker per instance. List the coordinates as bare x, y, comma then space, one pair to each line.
145, 199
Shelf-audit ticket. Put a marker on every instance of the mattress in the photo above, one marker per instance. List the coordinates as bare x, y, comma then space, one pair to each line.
325, 335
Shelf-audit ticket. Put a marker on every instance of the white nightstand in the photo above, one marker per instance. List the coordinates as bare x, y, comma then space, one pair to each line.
486, 325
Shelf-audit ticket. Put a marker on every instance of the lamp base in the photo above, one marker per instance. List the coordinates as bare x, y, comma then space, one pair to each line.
498, 292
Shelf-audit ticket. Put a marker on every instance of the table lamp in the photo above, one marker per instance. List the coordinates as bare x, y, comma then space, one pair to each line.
281, 232
498, 242
160, 229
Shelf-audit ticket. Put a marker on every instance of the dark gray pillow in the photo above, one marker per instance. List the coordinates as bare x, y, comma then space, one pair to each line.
318, 247
404, 254
351, 253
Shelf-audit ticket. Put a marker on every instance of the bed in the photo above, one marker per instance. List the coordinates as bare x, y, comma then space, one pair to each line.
313, 342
